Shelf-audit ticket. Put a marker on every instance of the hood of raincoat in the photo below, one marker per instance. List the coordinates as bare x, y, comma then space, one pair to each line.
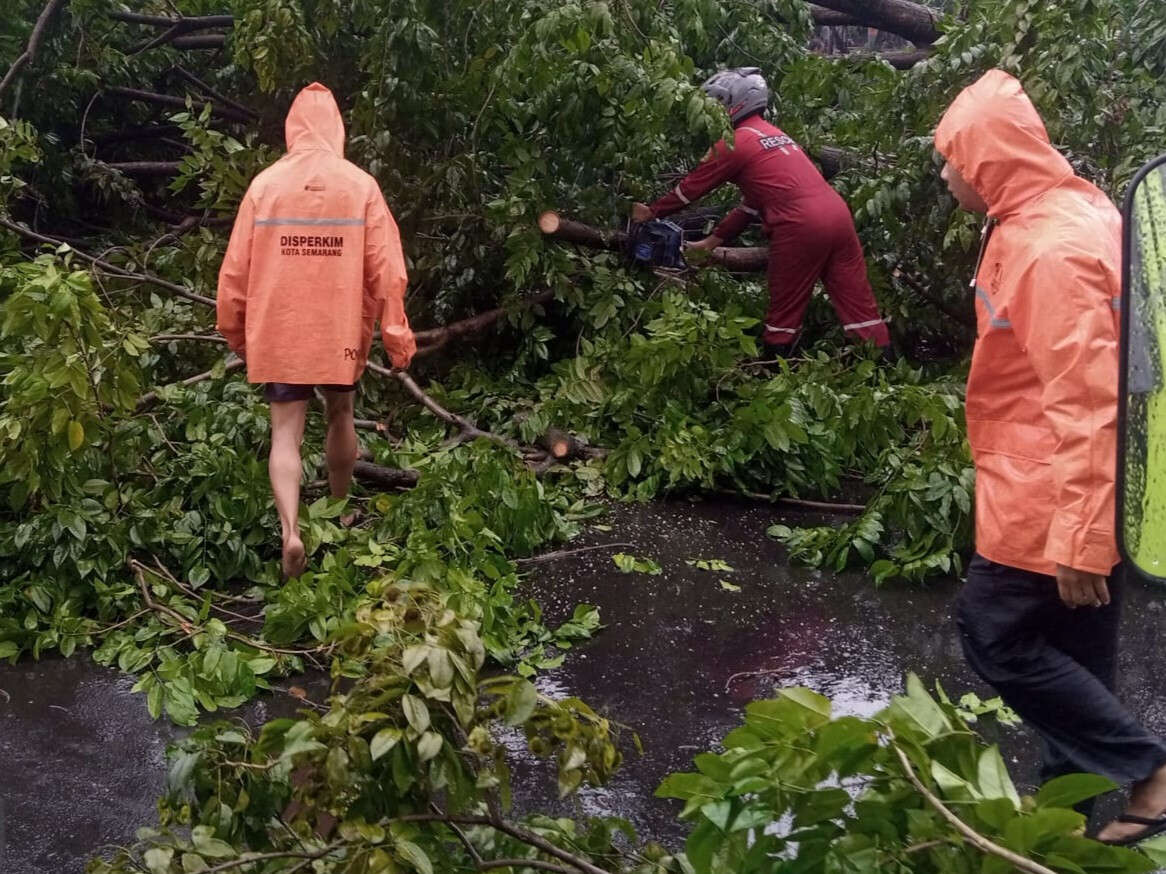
994, 137
314, 121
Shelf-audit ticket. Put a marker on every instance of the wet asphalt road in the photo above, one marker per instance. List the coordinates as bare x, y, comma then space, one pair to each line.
81, 763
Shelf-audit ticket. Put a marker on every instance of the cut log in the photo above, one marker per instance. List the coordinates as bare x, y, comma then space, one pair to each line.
554, 225
386, 478
562, 445
913, 21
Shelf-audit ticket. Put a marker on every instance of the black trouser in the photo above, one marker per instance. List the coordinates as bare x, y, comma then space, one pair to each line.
1057, 668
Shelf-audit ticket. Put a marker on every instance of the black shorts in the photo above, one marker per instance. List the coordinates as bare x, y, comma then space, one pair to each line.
284, 392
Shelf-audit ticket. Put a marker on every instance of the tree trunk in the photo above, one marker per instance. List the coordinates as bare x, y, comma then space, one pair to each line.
829, 18
386, 478
912, 21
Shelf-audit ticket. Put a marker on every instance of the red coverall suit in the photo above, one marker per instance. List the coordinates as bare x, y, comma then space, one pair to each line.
811, 233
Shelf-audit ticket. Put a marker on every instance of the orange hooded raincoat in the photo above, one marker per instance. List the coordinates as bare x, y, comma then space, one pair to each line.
1042, 392
314, 261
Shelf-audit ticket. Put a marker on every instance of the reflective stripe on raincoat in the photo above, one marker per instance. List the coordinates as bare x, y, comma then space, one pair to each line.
1042, 392
314, 261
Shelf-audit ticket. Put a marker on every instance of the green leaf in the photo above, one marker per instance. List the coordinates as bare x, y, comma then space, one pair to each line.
520, 702
413, 656
429, 745
158, 859
729, 587
206, 844
383, 741
993, 779
440, 667
1071, 789
415, 712
918, 709
76, 435
810, 700
414, 855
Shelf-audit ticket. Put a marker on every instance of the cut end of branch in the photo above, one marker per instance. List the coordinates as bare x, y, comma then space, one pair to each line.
549, 222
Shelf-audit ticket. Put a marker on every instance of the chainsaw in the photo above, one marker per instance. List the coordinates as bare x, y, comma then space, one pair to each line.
656, 243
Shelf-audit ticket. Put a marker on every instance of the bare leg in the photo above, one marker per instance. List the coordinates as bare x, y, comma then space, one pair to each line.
340, 448
286, 469
1147, 799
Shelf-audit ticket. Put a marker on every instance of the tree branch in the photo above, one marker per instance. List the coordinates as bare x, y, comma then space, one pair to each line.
976, 839
145, 168
189, 627
515, 832
961, 316
900, 60
200, 338
111, 269
192, 79
469, 431
523, 863
266, 857
34, 41
433, 339
200, 41
201, 22
151, 397
564, 553
173, 102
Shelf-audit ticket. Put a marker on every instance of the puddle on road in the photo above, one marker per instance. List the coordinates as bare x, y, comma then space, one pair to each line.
81, 764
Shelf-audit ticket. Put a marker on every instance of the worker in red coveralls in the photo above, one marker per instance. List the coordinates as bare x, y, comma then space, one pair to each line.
811, 233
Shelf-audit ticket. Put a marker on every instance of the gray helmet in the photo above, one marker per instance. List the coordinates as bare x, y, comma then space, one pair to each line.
742, 91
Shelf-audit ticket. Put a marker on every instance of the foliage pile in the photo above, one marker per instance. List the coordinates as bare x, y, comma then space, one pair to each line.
137, 522
912, 789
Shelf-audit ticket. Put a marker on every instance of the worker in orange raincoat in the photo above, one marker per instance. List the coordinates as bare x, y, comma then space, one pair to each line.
313, 263
1038, 616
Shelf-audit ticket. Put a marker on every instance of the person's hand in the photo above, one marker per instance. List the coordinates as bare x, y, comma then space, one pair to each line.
699, 251
641, 212
1081, 588
707, 244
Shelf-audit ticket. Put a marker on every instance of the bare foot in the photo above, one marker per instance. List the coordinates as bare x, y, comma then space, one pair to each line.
1147, 799
295, 560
